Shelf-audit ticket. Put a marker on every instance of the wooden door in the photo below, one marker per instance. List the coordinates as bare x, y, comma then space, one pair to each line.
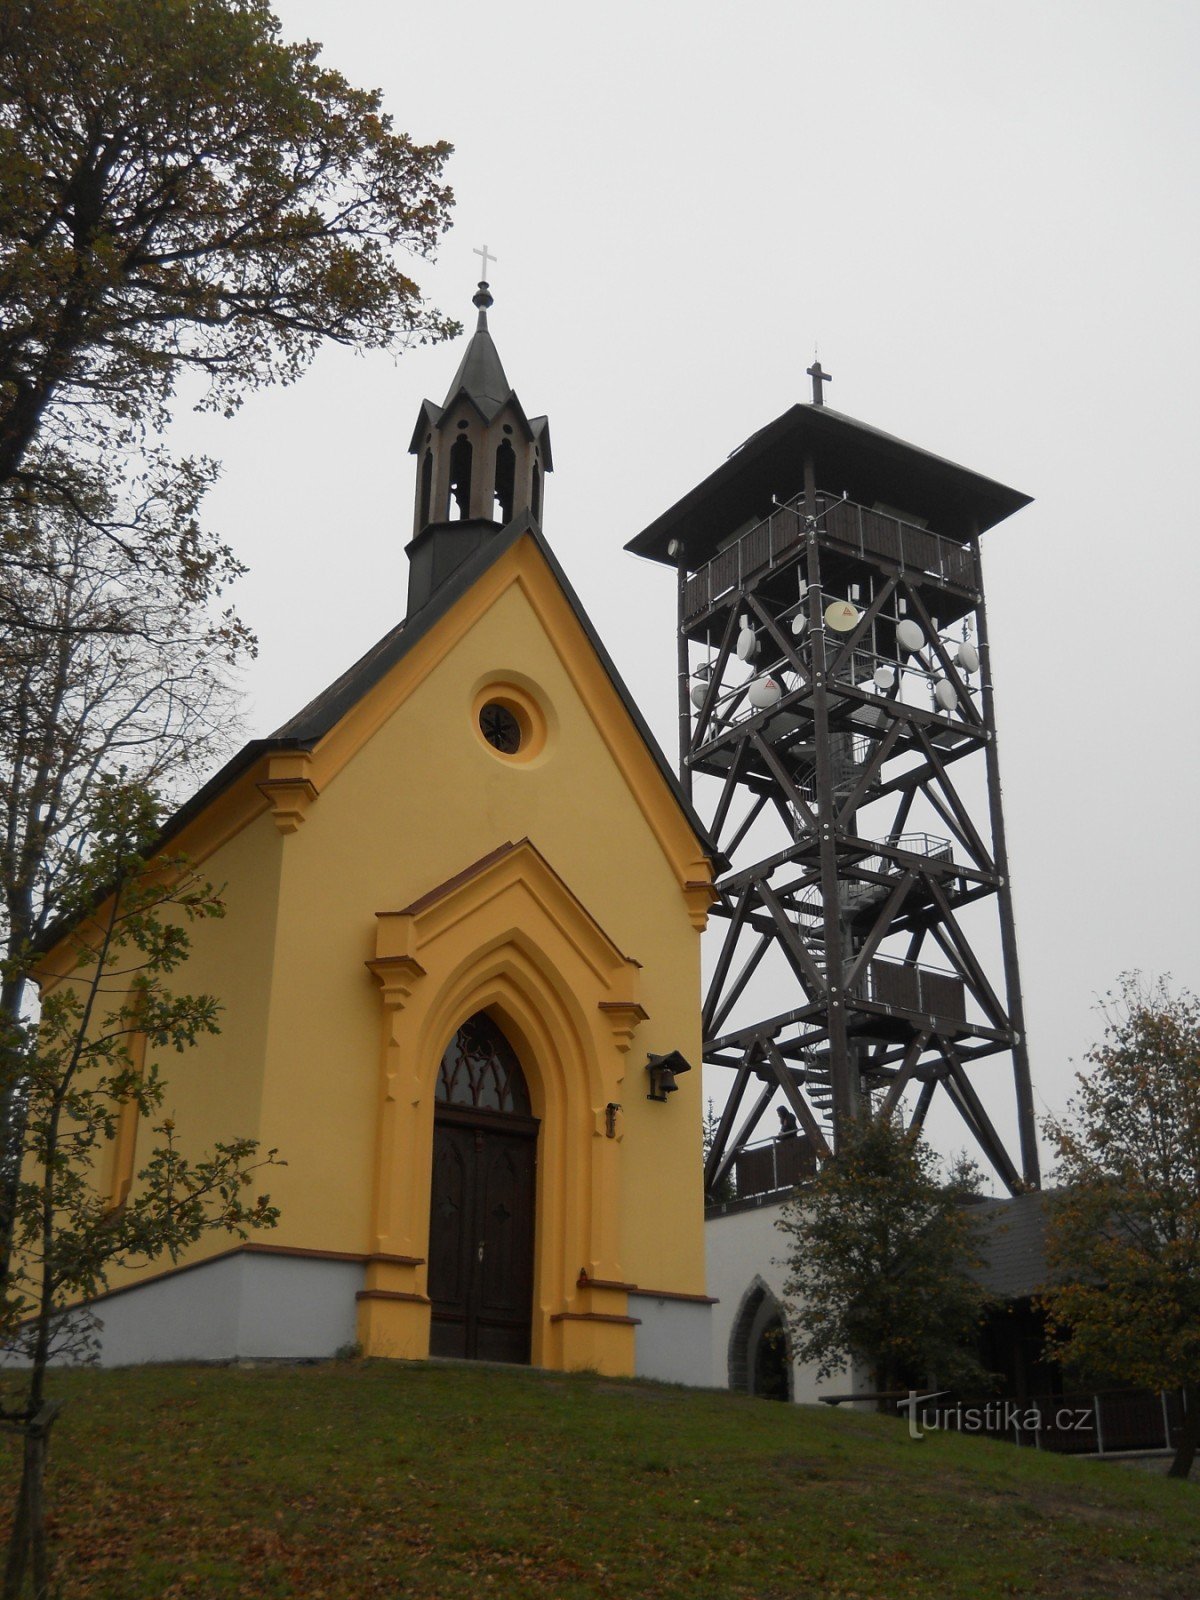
481, 1235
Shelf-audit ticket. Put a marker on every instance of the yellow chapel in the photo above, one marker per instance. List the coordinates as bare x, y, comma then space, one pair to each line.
460, 976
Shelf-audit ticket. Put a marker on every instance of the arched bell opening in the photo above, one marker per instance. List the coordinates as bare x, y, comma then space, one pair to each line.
458, 507
535, 492
506, 480
426, 490
760, 1360
483, 1199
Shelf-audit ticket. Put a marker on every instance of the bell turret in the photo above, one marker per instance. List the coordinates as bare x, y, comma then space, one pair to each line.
480, 462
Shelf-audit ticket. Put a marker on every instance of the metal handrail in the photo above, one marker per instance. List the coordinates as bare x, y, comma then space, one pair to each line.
871, 532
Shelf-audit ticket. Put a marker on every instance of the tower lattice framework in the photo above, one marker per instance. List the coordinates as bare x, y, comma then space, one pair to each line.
837, 726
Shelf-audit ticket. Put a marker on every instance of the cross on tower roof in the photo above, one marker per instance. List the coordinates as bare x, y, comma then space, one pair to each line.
819, 378
485, 256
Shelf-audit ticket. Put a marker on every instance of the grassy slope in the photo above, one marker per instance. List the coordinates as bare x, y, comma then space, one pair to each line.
445, 1481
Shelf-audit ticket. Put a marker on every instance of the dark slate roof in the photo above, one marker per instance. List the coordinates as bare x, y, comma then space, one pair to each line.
871, 466
480, 374
1011, 1236
480, 380
321, 714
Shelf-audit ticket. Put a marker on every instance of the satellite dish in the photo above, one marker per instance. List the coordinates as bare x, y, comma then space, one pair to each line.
763, 692
699, 690
946, 694
968, 657
799, 623
909, 635
747, 644
885, 677
841, 616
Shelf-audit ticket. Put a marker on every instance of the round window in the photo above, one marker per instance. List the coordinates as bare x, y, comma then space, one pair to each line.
500, 728
511, 718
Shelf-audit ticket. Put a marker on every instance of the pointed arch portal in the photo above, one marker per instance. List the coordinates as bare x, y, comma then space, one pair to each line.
540, 1008
759, 1356
481, 1224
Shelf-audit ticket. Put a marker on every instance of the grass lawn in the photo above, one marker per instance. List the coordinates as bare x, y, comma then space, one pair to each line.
439, 1481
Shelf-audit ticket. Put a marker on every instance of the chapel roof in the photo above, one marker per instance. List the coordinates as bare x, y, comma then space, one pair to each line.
310, 724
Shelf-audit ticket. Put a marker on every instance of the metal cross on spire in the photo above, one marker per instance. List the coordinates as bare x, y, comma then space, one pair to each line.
484, 256
819, 378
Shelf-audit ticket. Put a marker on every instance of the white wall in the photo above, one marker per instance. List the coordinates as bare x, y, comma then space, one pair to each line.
242, 1306
744, 1251
672, 1340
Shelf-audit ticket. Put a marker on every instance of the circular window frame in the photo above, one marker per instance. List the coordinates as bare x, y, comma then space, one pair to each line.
526, 710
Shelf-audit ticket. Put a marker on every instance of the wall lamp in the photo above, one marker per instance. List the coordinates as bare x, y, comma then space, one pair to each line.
663, 1071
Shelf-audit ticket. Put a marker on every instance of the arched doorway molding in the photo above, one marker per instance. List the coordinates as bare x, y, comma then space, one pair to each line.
759, 1313
506, 938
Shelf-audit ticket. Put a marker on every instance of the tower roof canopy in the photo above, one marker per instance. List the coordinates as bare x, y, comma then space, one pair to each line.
872, 467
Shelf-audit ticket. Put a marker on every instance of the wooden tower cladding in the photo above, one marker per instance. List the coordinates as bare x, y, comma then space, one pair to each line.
836, 722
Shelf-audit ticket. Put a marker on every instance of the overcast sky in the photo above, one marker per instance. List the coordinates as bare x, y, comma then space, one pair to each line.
983, 216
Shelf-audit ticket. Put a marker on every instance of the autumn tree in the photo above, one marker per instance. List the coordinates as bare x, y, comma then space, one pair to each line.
183, 191
115, 990
113, 659
1123, 1242
880, 1253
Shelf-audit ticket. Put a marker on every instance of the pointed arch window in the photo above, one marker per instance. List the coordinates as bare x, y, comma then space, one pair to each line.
460, 479
480, 1070
535, 493
426, 489
506, 479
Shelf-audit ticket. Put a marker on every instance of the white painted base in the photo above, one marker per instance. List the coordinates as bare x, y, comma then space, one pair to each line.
672, 1342
243, 1306
257, 1306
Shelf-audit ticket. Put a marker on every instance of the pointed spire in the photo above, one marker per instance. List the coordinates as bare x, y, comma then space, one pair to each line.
482, 462
480, 375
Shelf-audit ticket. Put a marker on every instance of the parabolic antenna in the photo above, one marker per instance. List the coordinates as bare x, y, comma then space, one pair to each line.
841, 616
763, 692
968, 657
909, 635
747, 644
699, 690
946, 694
799, 623
885, 677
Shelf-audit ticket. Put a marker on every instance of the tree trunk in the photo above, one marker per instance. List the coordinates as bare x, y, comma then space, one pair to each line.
1185, 1452
28, 1538
11, 1116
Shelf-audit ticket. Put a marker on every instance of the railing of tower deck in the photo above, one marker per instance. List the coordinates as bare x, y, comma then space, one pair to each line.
768, 1165
870, 533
